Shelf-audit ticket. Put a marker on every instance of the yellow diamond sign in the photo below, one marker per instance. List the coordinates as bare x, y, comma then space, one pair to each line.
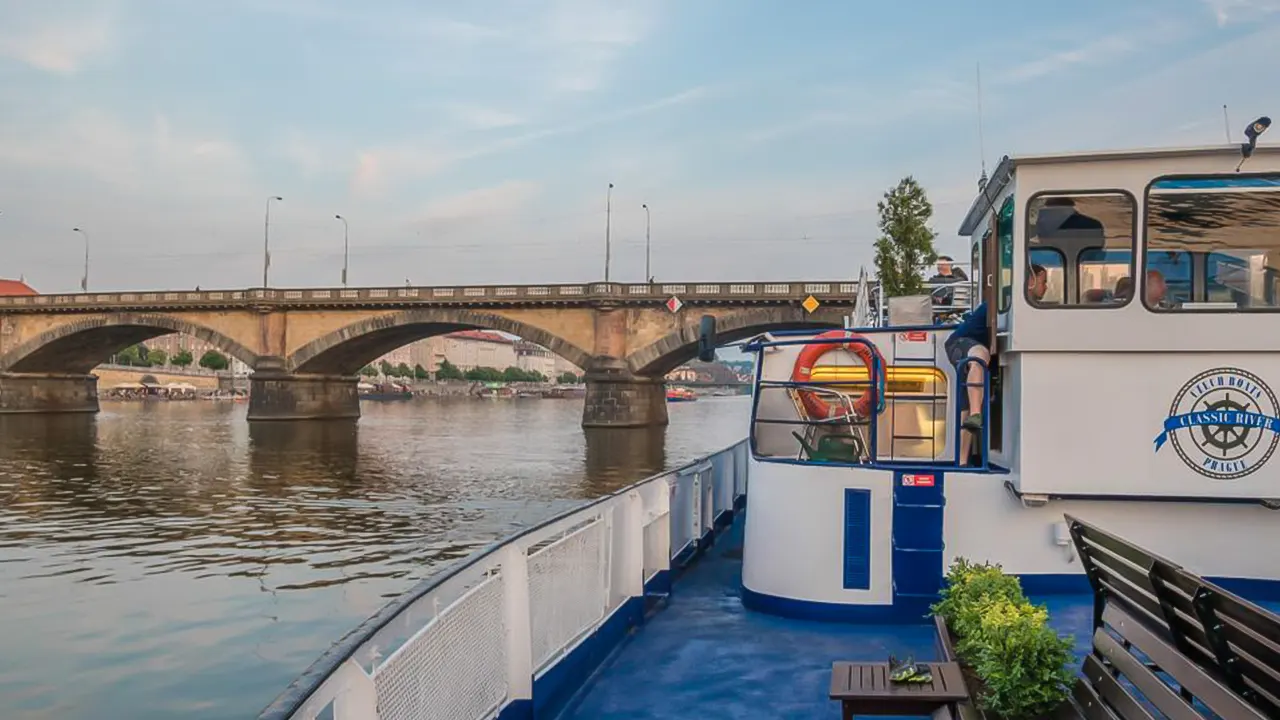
810, 304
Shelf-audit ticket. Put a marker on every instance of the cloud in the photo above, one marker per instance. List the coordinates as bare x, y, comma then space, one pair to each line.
483, 118
1241, 11
504, 199
1095, 52
586, 37
59, 43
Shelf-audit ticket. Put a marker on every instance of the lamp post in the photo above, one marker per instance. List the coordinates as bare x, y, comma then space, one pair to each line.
608, 217
266, 239
346, 232
646, 242
84, 281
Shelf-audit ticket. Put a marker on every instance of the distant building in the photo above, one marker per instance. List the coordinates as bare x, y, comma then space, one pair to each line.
15, 287
173, 344
470, 349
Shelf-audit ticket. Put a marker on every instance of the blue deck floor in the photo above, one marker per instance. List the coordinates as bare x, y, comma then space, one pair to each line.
706, 657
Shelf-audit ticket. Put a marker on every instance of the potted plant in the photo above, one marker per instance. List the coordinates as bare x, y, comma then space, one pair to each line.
1017, 667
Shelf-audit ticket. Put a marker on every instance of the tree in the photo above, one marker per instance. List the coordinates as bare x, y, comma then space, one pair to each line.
567, 378
515, 374
386, 368
448, 371
128, 356
214, 360
420, 373
182, 358
905, 244
403, 370
484, 374
156, 358
369, 371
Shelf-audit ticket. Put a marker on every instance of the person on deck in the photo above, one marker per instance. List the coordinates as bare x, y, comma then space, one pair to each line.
969, 340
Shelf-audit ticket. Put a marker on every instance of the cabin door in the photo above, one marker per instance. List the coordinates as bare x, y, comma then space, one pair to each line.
992, 287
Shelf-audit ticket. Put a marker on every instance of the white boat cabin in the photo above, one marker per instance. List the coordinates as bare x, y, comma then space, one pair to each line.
1146, 369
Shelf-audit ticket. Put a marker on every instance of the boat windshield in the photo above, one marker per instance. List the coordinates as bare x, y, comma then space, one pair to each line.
1215, 243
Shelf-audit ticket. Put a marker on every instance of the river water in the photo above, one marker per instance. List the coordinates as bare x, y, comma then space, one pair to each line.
167, 560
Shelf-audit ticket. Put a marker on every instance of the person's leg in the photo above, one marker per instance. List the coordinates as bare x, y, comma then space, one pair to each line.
957, 350
974, 379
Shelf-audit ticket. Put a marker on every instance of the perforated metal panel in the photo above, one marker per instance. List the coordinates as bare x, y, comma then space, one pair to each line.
857, 539
454, 668
568, 590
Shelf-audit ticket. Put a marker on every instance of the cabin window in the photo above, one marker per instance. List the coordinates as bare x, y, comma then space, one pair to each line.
1055, 268
976, 277
1228, 231
1004, 243
1086, 243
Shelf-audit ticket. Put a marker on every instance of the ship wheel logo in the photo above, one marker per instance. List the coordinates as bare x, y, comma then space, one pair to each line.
1223, 424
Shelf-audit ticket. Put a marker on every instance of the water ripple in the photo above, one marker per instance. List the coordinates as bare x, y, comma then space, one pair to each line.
165, 560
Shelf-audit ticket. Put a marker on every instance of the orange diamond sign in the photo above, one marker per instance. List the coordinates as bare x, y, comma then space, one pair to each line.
810, 304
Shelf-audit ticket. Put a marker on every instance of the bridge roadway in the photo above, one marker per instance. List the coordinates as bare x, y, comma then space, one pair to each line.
305, 346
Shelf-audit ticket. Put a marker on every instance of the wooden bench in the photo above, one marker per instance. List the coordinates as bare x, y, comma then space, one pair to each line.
864, 689
1166, 643
1167, 639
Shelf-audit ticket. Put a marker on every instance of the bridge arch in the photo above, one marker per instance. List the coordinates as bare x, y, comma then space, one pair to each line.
681, 345
80, 346
346, 350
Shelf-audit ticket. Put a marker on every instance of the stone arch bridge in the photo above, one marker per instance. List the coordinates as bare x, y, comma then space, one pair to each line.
306, 346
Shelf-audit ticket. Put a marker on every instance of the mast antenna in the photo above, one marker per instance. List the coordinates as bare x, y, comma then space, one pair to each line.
982, 143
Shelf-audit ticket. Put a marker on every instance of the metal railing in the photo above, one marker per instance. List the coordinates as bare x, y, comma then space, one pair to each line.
471, 640
841, 293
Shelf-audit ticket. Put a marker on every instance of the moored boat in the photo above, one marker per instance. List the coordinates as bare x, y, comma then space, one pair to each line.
1122, 472
384, 391
680, 394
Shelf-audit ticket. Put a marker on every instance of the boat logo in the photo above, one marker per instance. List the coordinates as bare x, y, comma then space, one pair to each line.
1224, 424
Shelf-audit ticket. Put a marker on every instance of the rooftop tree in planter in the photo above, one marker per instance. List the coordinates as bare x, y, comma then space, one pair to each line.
1017, 666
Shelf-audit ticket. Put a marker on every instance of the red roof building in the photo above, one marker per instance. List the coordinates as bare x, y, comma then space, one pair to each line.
15, 287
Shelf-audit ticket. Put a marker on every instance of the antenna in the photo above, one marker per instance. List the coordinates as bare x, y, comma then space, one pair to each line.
982, 144
1226, 122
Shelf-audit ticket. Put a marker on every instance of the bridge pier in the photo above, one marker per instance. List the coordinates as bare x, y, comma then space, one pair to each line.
618, 398
48, 393
275, 394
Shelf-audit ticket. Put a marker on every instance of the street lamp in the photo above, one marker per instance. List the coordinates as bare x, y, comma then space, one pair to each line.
608, 217
266, 239
84, 281
647, 276
346, 232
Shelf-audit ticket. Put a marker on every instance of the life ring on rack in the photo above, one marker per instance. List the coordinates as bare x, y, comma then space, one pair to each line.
854, 343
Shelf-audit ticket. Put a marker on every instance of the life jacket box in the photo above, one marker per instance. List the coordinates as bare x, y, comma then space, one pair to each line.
910, 310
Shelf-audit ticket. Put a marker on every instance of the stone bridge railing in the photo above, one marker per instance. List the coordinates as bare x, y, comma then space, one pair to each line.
828, 293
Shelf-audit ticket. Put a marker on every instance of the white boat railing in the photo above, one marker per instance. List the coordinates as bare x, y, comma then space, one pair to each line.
473, 638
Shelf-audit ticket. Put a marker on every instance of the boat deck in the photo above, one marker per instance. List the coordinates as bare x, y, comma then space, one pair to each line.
705, 656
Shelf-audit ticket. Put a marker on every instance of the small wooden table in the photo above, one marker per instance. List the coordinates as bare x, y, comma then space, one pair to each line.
864, 689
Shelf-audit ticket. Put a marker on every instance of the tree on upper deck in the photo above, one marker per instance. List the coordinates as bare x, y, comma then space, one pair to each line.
906, 241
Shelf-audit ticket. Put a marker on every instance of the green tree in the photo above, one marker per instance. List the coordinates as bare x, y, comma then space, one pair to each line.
567, 378
484, 374
214, 360
420, 373
128, 356
386, 368
404, 371
182, 358
369, 371
156, 358
448, 371
905, 244
515, 374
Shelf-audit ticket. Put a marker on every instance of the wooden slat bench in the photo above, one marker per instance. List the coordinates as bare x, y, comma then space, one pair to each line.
1167, 642
864, 689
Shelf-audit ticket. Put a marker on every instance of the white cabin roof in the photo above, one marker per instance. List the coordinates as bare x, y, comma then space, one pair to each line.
1004, 170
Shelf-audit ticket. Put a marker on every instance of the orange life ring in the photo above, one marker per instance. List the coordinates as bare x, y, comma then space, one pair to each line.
866, 352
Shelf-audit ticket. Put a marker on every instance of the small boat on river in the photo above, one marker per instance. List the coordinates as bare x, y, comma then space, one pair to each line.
680, 394
384, 391
1096, 441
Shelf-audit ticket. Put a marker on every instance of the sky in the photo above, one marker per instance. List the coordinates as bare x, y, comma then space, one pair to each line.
470, 143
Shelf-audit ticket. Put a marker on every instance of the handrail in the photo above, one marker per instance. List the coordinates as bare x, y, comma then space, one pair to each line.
331, 682
828, 292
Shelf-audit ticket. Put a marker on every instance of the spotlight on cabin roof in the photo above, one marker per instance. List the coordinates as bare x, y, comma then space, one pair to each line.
1251, 133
